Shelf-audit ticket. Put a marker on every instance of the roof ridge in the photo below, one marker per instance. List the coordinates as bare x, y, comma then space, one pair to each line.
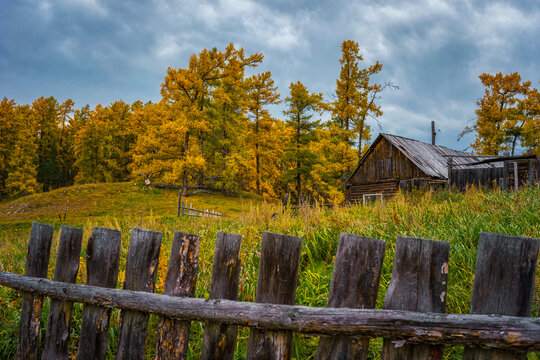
426, 143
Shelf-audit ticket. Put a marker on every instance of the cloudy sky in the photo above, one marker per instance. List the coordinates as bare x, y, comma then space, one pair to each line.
99, 51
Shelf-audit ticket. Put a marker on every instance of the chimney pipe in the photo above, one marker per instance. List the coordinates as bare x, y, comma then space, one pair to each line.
433, 133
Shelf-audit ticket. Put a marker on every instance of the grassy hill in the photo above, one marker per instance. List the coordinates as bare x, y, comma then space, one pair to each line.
457, 218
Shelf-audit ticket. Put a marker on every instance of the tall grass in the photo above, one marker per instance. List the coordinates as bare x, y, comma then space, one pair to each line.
454, 217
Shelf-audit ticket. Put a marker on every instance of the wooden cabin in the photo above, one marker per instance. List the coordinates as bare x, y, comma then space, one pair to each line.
393, 161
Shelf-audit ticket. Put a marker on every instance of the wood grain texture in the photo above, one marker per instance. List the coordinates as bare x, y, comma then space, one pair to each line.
219, 340
504, 332
67, 266
355, 284
37, 261
276, 284
141, 269
418, 283
181, 280
102, 260
503, 283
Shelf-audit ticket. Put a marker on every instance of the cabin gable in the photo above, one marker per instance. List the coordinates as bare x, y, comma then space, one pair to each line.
380, 171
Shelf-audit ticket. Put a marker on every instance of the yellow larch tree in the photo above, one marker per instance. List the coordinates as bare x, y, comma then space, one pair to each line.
499, 121
22, 166
264, 134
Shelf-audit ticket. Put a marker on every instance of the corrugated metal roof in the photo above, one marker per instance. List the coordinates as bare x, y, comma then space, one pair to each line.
433, 159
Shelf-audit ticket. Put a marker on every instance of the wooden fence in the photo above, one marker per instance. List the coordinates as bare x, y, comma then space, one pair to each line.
185, 210
413, 322
511, 173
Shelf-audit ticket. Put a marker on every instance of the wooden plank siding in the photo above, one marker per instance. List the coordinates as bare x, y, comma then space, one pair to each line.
381, 171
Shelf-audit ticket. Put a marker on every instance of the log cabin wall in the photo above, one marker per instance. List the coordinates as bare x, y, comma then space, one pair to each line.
381, 171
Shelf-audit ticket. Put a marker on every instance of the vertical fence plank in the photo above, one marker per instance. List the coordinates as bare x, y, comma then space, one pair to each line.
503, 283
141, 269
181, 280
276, 284
37, 261
67, 266
102, 260
219, 340
355, 284
418, 283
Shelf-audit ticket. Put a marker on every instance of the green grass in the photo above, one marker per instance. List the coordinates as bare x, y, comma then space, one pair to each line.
454, 217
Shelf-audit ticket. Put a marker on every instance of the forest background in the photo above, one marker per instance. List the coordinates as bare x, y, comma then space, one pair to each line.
212, 129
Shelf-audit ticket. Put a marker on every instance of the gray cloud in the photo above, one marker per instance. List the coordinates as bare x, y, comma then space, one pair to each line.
97, 51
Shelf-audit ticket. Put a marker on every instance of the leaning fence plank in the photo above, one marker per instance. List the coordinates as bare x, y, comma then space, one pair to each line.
37, 261
276, 284
67, 266
355, 284
141, 269
503, 283
418, 283
219, 340
181, 279
102, 260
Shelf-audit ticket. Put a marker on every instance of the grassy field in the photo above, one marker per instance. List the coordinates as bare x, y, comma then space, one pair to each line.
454, 217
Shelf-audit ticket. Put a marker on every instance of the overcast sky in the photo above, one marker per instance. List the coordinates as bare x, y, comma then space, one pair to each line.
97, 51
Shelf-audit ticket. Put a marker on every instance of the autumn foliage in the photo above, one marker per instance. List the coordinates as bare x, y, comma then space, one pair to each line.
508, 116
213, 130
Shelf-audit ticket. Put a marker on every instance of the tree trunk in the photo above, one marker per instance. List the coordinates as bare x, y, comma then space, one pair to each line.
257, 156
201, 145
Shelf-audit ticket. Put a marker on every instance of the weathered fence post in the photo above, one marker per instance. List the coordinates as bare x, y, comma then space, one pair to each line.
37, 261
355, 284
102, 260
141, 269
219, 340
173, 335
276, 284
179, 202
503, 283
418, 283
505, 184
516, 176
67, 266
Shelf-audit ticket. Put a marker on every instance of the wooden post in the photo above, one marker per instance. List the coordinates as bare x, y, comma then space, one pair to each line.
141, 269
219, 340
179, 202
102, 260
505, 176
418, 283
530, 174
67, 267
516, 176
503, 283
449, 165
276, 284
173, 335
355, 284
37, 261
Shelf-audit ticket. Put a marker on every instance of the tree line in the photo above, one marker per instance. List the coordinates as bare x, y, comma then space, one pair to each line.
212, 129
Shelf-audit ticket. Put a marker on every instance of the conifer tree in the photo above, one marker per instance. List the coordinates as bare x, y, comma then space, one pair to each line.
189, 95
298, 154
356, 97
8, 131
48, 133
22, 166
263, 136
505, 115
102, 144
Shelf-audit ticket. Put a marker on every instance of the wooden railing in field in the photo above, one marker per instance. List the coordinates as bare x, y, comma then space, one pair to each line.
413, 322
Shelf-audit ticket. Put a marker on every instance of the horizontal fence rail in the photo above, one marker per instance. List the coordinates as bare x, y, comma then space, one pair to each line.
489, 331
